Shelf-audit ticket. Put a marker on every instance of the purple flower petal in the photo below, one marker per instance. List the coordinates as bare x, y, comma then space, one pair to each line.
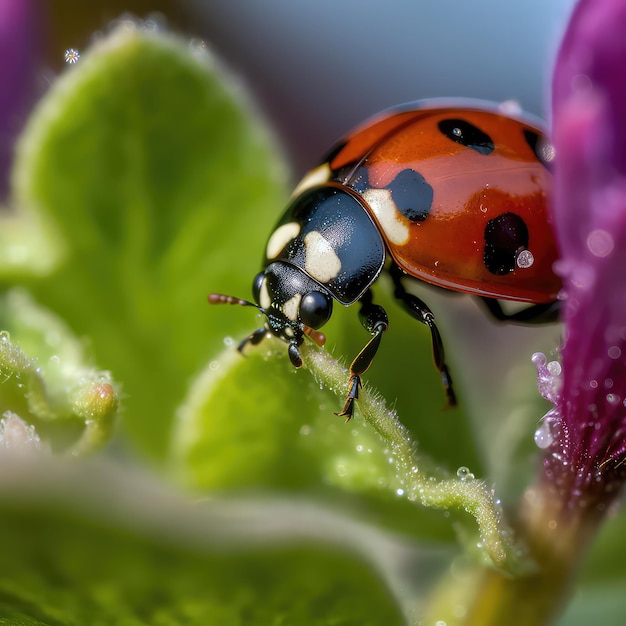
20, 45
589, 105
591, 61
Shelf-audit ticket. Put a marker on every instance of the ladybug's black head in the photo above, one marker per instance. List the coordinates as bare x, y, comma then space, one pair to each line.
294, 305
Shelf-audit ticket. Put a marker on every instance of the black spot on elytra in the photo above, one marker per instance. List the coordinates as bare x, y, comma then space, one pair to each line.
467, 135
537, 144
412, 195
504, 236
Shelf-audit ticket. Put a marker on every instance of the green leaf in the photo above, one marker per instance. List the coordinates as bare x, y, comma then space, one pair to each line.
91, 546
293, 443
144, 170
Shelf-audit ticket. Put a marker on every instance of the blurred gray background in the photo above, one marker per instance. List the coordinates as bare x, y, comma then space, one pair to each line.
319, 68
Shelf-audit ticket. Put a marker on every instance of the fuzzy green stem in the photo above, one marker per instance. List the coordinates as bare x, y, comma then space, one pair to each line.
557, 538
420, 485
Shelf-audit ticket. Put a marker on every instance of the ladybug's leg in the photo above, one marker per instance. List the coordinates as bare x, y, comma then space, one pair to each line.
543, 313
420, 311
255, 338
374, 319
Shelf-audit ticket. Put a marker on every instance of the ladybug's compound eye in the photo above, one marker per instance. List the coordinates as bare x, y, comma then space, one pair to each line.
256, 286
315, 309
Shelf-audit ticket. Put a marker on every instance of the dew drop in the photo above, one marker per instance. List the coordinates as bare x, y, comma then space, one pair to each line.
305, 430
525, 259
5, 335
544, 436
71, 56
399, 492
554, 367
549, 380
464, 473
214, 365
539, 359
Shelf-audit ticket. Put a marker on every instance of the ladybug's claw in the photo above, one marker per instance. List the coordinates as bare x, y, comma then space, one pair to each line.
353, 394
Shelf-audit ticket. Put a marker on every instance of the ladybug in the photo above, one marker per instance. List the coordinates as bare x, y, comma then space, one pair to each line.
452, 194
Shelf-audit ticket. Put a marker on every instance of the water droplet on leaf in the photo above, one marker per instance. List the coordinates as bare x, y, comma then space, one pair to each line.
464, 473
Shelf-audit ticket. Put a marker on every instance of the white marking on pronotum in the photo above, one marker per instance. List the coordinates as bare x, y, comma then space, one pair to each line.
391, 223
321, 262
280, 238
317, 176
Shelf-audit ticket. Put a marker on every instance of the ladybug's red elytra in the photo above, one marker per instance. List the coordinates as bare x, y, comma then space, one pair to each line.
450, 193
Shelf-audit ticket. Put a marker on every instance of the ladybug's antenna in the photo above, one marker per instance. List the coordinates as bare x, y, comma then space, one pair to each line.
219, 298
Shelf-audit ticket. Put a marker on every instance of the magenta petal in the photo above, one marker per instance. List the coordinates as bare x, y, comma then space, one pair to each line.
591, 57
589, 134
20, 49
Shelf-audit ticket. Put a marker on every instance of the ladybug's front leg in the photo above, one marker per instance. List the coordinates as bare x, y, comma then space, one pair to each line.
374, 319
254, 339
420, 311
